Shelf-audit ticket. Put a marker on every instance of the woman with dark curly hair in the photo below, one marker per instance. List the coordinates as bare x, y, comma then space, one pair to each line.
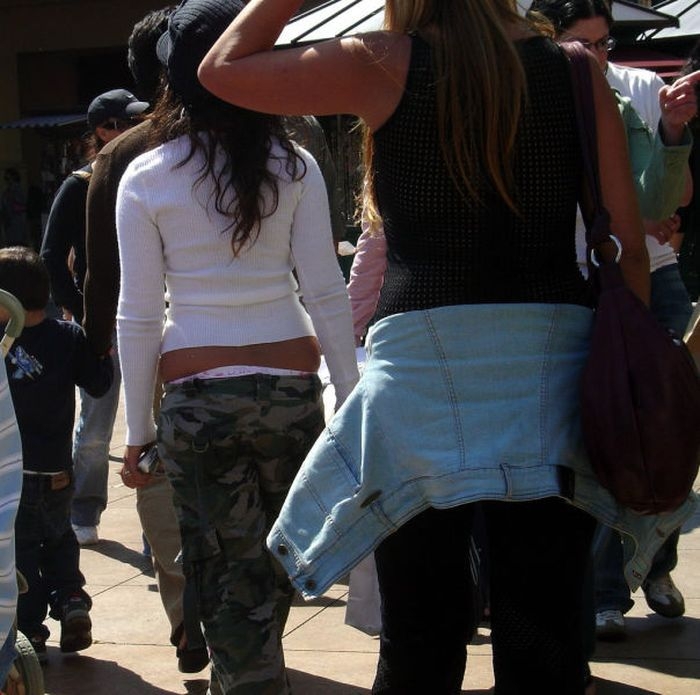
221, 212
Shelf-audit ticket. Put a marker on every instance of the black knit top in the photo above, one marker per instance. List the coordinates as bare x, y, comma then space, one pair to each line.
445, 248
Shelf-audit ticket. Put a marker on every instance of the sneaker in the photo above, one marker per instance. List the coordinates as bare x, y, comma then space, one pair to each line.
38, 643
76, 626
86, 535
663, 597
610, 626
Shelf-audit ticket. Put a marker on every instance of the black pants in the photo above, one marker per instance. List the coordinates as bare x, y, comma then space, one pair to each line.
538, 553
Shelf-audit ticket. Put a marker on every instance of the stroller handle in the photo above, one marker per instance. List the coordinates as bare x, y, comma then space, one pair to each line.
15, 324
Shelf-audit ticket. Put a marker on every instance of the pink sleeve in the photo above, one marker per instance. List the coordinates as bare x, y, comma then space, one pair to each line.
366, 278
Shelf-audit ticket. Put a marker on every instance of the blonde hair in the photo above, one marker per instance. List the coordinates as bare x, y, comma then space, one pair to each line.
480, 87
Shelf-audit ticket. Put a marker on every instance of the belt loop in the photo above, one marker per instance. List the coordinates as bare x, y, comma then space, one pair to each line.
189, 389
263, 386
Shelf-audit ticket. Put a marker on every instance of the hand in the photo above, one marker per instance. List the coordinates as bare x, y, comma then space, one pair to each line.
662, 230
678, 103
67, 314
131, 476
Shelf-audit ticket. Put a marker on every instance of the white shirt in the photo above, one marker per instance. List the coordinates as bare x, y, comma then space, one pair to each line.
169, 232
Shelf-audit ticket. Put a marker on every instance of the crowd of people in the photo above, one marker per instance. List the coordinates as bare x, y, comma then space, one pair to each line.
194, 261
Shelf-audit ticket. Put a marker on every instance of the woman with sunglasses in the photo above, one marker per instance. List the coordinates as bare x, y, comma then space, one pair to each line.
659, 146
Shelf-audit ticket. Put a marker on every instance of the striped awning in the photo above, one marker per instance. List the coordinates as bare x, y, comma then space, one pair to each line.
46, 121
338, 18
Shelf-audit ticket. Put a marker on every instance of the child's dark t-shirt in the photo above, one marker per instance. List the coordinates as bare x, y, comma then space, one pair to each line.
44, 365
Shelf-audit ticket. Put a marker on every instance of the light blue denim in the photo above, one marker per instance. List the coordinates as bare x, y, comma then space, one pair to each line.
91, 451
671, 306
8, 654
455, 405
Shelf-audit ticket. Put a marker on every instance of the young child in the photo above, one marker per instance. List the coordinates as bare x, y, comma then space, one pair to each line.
44, 366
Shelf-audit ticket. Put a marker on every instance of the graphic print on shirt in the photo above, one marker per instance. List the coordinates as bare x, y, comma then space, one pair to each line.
26, 366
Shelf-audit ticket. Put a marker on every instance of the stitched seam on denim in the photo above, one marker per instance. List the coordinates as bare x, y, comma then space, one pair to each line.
447, 379
544, 382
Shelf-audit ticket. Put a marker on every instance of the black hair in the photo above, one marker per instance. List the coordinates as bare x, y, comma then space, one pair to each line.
145, 67
246, 138
24, 274
563, 13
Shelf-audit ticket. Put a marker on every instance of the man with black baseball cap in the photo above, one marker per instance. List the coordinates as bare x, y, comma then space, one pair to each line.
117, 104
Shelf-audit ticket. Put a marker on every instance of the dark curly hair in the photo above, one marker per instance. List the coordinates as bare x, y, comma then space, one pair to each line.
143, 62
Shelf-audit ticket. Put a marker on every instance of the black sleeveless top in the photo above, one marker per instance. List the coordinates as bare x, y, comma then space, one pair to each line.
444, 248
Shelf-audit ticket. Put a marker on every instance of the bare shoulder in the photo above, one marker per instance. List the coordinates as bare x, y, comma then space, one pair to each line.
385, 57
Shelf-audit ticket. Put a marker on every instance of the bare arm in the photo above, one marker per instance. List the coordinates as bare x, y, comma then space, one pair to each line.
617, 187
362, 75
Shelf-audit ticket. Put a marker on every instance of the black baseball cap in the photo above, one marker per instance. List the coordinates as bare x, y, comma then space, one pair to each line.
193, 28
117, 103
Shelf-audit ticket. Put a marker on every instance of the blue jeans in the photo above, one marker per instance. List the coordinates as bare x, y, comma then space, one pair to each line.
47, 553
7, 654
91, 452
671, 306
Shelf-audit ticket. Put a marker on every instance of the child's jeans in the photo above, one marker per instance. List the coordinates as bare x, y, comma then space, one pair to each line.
47, 551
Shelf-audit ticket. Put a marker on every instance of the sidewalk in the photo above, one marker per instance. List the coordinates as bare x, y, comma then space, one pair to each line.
131, 653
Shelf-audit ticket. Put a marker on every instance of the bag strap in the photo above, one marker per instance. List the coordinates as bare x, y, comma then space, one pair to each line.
595, 216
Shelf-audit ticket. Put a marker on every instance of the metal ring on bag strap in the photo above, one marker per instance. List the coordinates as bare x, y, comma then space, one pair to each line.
618, 255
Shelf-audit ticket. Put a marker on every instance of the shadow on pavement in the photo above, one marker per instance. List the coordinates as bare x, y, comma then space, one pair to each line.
656, 644
71, 675
605, 687
129, 556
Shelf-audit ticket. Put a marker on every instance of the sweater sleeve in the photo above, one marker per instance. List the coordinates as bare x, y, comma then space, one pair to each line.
102, 254
102, 277
92, 372
366, 278
321, 282
141, 308
64, 228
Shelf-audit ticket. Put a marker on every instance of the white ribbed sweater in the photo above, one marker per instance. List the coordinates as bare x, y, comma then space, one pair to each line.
169, 232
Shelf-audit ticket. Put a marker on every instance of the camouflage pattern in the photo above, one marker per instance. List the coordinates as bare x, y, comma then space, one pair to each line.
231, 448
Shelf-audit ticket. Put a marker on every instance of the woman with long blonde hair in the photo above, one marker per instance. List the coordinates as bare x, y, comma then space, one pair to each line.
470, 392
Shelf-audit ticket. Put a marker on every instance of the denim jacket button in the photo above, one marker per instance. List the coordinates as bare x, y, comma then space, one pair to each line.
282, 549
310, 584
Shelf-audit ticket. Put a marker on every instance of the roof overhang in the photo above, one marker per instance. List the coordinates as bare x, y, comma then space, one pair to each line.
46, 121
338, 18
688, 26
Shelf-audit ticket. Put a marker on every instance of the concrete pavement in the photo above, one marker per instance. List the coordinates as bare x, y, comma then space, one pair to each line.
131, 653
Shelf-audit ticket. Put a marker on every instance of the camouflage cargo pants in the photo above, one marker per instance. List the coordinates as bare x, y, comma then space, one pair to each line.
231, 449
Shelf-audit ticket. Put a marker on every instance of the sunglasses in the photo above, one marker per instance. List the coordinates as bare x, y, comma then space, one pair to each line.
119, 124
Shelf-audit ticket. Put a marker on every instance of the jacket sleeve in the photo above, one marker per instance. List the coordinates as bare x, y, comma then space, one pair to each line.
366, 279
93, 372
102, 252
64, 228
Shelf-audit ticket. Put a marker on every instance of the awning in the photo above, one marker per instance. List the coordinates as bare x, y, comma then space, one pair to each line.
664, 64
688, 14
48, 121
337, 18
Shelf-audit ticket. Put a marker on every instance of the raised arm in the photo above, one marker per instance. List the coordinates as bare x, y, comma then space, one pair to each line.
362, 75
617, 187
